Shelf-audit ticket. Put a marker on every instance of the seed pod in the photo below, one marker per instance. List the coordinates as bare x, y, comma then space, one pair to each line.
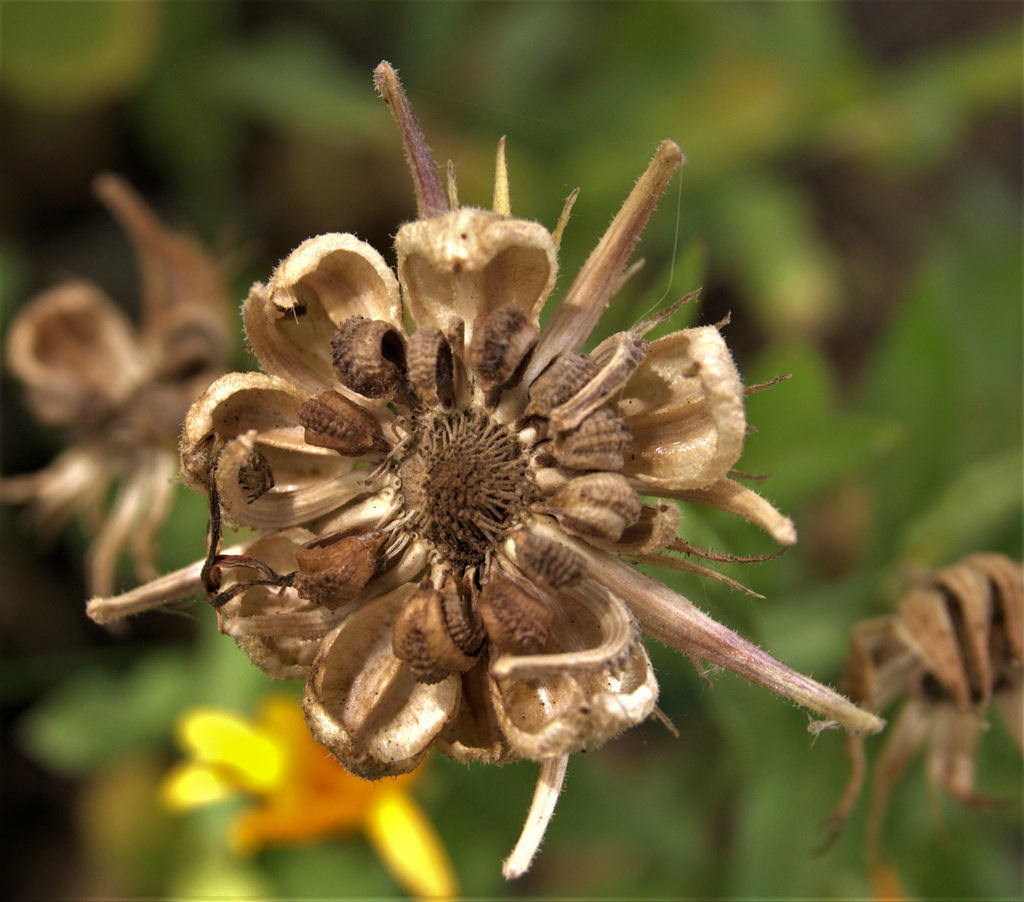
546, 561
598, 504
598, 443
432, 368
436, 635
255, 478
369, 358
615, 360
564, 376
502, 342
333, 421
335, 568
516, 622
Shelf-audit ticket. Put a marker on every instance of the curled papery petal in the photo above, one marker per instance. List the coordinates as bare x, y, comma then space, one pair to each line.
672, 619
76, 479
729, 496
684, 408
278, 630
596, 682
318, 286
467, 263
76, 353
305, 487
243, 413
365, 704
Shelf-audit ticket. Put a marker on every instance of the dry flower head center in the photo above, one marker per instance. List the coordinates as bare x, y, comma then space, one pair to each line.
465, 481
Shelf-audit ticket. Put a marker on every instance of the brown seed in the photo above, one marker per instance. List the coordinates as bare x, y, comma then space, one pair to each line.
460, 618
564, 376
502, 342
598, 443
614, 360
335, 569
421, 619
516, 622
546, 561
333, 421
432, 368
369, 358
598, 504
436, 635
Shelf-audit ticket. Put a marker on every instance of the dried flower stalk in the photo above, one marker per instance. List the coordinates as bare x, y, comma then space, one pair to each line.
955, 646
120, 395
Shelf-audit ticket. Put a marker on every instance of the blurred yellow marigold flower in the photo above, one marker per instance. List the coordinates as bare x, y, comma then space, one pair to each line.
305, 793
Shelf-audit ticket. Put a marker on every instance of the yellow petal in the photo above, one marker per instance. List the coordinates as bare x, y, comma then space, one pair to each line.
406, 842
226, 740
194, 785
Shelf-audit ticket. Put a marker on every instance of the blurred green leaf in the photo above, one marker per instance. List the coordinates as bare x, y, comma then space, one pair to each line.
97, 714
62, 56
803, 438
972, 509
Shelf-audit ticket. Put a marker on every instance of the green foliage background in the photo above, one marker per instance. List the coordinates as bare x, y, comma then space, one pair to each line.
851, 197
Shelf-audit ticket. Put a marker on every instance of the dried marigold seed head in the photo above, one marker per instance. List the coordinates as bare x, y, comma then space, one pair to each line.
335, 569
432, 367
597, 504
333, 421
502, 341
517, 622
598, 443
546, 561
369, 358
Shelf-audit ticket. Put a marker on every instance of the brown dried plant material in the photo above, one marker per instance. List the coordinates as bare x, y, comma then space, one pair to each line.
499, 619
955, 646
120, 394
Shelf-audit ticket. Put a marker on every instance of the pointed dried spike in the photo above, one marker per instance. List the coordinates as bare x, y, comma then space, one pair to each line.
563, 219
575, 318
453, 189
502, 200
656, 319
175, 271
542, 809
430, 199
672, 619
